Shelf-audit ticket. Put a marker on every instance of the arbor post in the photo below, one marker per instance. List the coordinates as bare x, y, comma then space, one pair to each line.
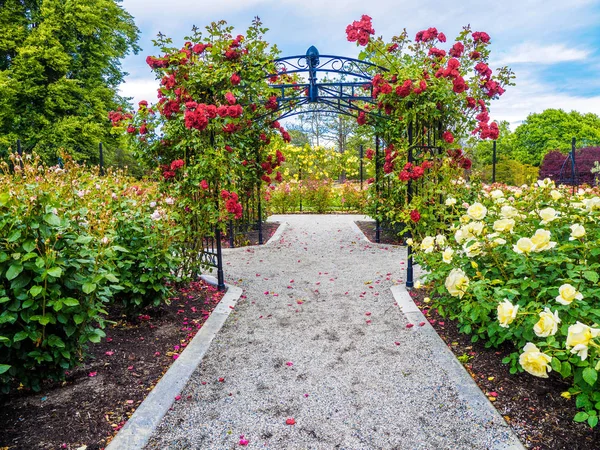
494, 163
220, 274
361, 167
101, 156
377, 191
573, 142
409, 253
260, 230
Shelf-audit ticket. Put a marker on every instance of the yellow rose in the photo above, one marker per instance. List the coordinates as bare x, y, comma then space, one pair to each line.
577, 231
472, 250
457, 283
548, 215
508, 212
427, 244
592, 203
523, 245
475, 228
534, 361
504, 225
463, 234
409, 241
477, 211
548, 323
567, 293
450, 201
579, 337
555, 194
507, 312
496, 194
447, 255
541, 240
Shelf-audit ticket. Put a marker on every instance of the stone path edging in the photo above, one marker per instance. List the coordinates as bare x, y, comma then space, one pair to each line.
138, 429
277, 235
464, 383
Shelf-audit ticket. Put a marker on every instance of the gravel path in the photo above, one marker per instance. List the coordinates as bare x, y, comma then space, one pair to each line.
317, 338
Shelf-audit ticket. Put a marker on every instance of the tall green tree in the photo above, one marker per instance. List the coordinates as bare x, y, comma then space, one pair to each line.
553, 129
59, 73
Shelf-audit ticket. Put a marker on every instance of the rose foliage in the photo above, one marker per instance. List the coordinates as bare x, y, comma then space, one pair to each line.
521, 266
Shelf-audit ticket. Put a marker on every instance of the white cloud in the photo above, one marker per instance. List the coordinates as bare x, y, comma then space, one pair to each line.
529, 52
140, 89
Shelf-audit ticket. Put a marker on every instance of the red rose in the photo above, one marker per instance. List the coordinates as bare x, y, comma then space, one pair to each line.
441, 37
448, 137
392, 48
404, 176
459, 85
222, 111
177, 164
415, 216
131, 129
230, 98
370, 153
204, 184
362, 118
404, 90
457, 50
481, 36
471, 102
235, 79
475, 55
278, 177
483, 70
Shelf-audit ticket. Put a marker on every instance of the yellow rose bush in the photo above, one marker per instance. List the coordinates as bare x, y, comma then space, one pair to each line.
521, 265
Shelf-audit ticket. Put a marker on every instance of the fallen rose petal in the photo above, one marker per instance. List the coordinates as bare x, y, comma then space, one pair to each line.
410, 325
109, 353
397, 343
290, 421
421, 324
92, 374
289, 363
367, 313
221, 380
177, 398
243, 441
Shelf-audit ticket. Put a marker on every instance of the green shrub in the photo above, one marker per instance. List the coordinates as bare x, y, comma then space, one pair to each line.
317, 195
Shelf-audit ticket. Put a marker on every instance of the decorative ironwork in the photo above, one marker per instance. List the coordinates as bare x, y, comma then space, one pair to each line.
315, 92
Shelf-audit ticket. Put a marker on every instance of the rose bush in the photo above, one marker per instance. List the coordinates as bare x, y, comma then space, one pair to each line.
72, 244
520, 265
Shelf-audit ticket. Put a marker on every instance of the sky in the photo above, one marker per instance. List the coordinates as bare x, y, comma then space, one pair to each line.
553, 46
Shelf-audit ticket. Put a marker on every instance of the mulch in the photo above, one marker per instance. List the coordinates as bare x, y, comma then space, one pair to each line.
386, 236
533, 407
251, 237
97, 398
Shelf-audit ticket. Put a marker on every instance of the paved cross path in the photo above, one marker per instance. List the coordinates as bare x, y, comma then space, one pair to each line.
356, 381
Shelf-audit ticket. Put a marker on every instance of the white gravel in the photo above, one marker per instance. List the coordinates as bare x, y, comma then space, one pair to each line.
353, 384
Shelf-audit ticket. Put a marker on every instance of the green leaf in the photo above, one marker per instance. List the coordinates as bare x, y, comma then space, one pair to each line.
29, 246
70, 301
15, 235
593, 421
556, 365
83, 240
4, 368
590, 375
591, 276
110, 277
88, 288
78, 318
55, 272
21, 335
118, 248
13, 271
581, 416
36, 290
52, 219
45, 320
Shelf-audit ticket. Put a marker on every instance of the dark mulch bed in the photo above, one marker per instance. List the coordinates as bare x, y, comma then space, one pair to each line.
532, 406
386, 236
96, 399
251, 237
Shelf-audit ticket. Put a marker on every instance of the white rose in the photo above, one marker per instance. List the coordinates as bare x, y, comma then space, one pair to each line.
450, 201
155, 215
541, 240
579, 337
477, 211
447, 255
457, 283
534, 361
592, 203
508, 212
440, 240
427, 244
523, 245
548, 323
472, 250
506, 225
548, 215
507, 312
169, 201
577, 231
496, 194
555, 194
568, 293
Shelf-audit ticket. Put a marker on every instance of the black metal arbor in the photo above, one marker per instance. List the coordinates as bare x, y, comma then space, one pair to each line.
313, 91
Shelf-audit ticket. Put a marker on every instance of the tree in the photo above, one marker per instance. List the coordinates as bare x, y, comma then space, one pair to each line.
553, 129
481, 151
59, 73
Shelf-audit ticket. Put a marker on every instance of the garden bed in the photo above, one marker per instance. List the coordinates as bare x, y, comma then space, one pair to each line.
97, 399
386, 236
251, 236
533, 407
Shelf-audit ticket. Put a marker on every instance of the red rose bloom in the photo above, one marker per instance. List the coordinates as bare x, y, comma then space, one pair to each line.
362, 118
459, 85
204, 184
235, 79
415, 216
448, 137
370, 153
457, 50
230, 98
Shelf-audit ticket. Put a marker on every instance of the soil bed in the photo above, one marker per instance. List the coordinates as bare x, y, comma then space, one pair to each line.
251, 237
97, 398
386, 236
533, 407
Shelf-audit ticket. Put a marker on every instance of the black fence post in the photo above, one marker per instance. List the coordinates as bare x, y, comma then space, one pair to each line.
377, 191
231, 236
220, 274
101, 153
409, 258
573, 143
19, 149
260, 230
494, 163
361, 167
300, 186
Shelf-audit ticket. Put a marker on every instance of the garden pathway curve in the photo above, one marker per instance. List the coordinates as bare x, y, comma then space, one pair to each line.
301, 344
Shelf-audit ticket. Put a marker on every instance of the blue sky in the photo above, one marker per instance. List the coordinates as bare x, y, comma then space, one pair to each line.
552, 45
